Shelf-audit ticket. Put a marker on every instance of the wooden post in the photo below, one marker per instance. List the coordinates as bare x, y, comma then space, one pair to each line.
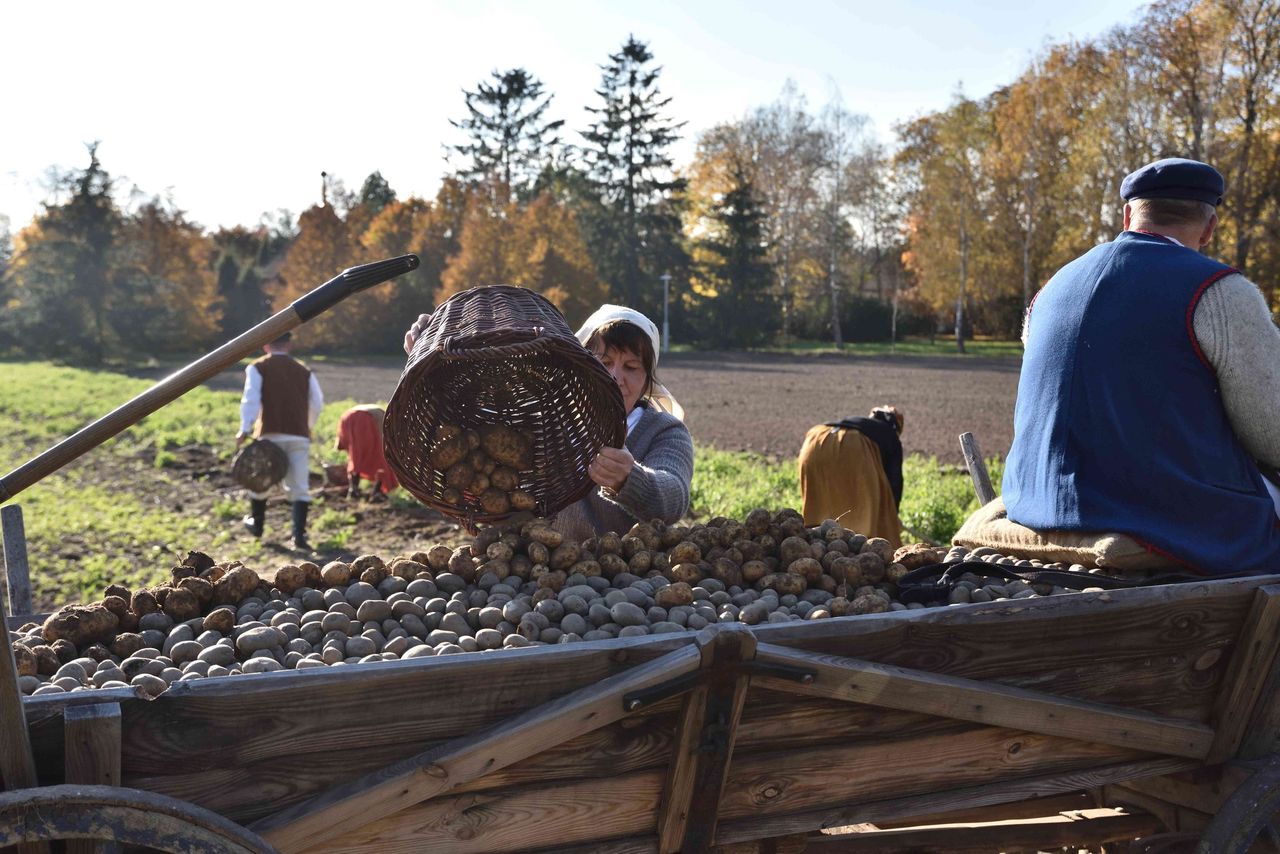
1247, 674
977, 468
704, 743
92, 757
16, 574
17, 763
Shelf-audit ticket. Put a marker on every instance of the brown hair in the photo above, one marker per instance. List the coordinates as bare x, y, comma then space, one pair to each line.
624, 336
1173, 212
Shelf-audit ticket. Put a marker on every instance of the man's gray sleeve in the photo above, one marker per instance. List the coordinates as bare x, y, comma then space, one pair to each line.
1236, 334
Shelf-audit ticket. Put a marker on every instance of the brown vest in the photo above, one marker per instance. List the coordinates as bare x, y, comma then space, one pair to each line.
286, 393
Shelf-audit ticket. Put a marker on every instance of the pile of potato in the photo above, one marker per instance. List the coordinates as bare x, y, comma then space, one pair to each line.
482, 467
513, 586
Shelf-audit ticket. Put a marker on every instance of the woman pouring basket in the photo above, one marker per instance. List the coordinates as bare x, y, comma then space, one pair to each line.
649, 476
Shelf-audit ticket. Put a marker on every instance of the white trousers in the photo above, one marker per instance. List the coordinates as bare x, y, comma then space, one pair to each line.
297, 482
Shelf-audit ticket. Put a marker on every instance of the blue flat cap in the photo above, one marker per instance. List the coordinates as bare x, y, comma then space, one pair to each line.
1175, 178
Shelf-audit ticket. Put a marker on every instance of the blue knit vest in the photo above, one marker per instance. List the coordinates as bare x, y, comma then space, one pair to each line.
1119, 425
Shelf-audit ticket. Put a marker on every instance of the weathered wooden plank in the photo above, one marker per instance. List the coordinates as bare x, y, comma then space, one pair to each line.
16, 572
584, 813
17, 764
1011, 811
816, 778
1251, 663
985, 702
255, 717
92, 758
248, 793
977, 468
704, 745
980, 840
999, 790
429, 774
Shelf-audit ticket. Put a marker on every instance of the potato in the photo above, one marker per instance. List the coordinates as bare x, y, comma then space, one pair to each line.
792, 549
479, 483
507, 446
370, 569
689, 573
505, 478
915, 556
845, 570
477, 459
447, 431
726, 571
675, 594
551, 579
647, 533
839, 606
881, 547
471, 438
565, 555
235, 585
546, 535
611, 564
783, 582
521, 500
448, 453
757, 522
459, 475
895, 572
47, 662
143, 603
753, 571
495, 502
28, 664
645, 560
438, 558
410, 569
336, 573
807, 568
462, 564
685, 552
81, 625
115, 605
585, 568
182, 604
127, 644
671, 535
871, 566
868, 604
289, 578
220, 620
499, 568
452, 496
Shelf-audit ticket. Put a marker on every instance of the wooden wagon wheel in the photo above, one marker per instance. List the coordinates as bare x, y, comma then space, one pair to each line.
1246, 814
131, 816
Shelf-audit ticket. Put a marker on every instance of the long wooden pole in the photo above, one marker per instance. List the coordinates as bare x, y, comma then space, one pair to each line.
318, 300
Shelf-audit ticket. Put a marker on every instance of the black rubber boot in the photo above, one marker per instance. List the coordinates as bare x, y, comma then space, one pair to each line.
300, 509
257, 513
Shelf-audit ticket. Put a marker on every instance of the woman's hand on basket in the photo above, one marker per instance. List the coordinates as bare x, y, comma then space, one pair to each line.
411, 337
611, 468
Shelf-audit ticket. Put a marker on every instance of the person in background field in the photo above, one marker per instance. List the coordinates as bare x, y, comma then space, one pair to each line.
1149, 390
851, 471
360, 435
649, 477
281, 402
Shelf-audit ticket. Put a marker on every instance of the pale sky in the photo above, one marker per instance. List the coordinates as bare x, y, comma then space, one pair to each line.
234, 108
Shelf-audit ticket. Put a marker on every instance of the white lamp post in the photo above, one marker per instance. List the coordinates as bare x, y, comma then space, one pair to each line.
666, 328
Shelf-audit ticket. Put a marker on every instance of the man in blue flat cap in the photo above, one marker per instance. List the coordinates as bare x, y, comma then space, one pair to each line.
1150, 388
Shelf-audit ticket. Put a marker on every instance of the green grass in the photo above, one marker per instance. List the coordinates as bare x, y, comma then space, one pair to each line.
936, 498
942, 346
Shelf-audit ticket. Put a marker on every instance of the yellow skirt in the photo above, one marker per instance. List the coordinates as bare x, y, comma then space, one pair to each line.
842, 478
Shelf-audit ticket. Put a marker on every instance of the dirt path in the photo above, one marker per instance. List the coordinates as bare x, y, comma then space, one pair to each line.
766, 402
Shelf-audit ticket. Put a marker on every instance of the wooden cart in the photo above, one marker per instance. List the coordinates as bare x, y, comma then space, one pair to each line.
1161, 700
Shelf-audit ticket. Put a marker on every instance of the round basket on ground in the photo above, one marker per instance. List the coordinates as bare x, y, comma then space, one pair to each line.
259, 466
499, 364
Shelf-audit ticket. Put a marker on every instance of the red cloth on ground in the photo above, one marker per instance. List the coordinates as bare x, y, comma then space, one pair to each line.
360, 435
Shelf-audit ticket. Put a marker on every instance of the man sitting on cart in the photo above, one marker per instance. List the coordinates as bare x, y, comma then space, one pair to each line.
1150, 388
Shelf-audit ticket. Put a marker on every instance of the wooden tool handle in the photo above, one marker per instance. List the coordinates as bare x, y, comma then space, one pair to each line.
346, 283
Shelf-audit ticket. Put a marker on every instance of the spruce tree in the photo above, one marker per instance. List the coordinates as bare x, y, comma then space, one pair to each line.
376, 193
738, 268
634, 228
509, 139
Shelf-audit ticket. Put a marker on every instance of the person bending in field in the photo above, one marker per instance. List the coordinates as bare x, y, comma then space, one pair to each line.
360, 435
851, 471
649, 477
1149, 390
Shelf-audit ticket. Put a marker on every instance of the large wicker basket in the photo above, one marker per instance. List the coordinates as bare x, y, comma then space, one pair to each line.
503, 355
260, 465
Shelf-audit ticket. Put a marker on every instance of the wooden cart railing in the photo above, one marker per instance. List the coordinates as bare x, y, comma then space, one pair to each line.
724, 738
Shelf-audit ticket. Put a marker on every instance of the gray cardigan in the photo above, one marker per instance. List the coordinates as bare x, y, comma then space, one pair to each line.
657, 488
